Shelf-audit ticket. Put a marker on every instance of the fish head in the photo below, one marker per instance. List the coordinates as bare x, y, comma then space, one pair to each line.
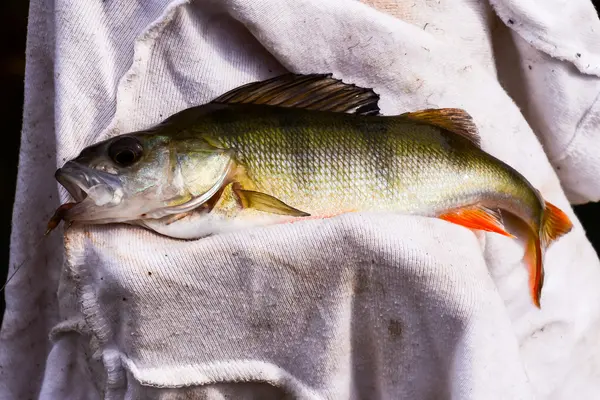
140, 176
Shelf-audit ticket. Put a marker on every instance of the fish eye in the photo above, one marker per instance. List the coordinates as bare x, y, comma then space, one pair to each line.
125, 151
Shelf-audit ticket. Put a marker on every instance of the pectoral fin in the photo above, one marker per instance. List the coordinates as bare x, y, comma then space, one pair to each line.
264, 202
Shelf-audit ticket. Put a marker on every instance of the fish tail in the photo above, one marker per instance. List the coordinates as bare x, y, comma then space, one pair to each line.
555, 223
533, 259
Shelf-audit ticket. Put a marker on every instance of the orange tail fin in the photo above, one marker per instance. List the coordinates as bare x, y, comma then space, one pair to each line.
555, 224
533, 259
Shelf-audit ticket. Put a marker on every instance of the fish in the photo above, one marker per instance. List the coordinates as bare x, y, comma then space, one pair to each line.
297, 147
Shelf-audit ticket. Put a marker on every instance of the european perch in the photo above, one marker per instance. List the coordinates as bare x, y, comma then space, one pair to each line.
303, 146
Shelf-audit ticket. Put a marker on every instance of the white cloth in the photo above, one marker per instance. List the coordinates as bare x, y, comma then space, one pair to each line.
358, 306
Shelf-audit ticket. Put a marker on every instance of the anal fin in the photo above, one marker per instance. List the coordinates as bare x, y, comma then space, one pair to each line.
477, 217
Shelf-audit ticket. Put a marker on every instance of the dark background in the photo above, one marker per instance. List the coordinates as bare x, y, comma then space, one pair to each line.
13, 29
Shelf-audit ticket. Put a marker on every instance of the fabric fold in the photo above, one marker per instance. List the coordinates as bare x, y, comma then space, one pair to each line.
358, 306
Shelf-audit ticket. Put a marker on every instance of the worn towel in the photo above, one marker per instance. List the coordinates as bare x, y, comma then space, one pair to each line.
358, 306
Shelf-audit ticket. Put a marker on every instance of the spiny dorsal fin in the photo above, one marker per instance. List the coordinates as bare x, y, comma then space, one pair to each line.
454, 120
311, 92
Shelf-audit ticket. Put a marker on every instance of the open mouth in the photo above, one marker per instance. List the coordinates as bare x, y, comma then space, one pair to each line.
81, 182
73, 183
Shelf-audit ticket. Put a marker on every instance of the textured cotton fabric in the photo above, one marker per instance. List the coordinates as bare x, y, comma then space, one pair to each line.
354, 307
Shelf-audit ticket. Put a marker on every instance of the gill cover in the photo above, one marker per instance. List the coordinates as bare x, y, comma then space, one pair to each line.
199, 170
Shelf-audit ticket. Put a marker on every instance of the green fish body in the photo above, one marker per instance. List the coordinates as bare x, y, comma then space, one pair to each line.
325, 163
297, 147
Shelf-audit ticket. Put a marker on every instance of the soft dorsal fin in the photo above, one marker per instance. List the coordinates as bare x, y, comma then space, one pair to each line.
454, 120
311, 92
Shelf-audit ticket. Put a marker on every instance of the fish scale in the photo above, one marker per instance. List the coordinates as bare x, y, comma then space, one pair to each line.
323, 160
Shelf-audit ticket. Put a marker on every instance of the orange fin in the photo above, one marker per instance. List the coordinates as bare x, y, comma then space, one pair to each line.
533, 259
454, 120
477, 217
555, 223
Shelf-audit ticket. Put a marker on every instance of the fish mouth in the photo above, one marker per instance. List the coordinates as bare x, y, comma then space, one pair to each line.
82, 181
72, 184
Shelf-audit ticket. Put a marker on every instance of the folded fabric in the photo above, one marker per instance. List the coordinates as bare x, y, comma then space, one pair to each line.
357, 306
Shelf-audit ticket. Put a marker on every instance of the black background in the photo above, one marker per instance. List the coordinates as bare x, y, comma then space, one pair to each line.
13, 29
